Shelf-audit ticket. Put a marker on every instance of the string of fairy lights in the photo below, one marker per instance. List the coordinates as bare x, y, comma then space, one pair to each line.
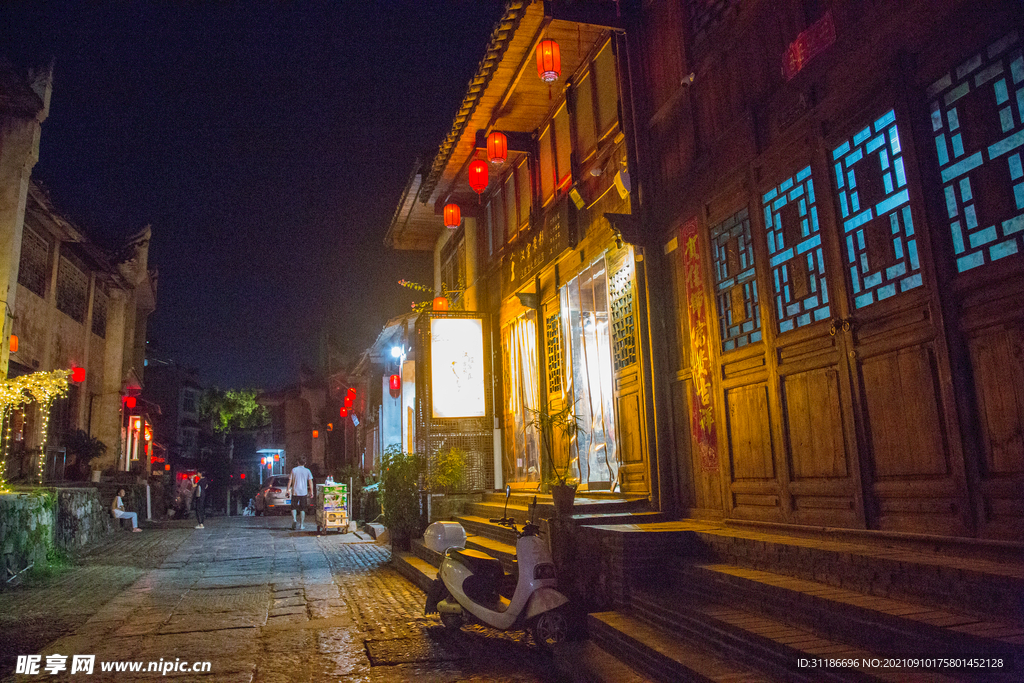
41, 387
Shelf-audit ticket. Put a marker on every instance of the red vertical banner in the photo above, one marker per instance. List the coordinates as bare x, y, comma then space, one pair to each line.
702, 411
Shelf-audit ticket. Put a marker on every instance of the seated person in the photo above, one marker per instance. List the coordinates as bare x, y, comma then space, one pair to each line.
117, 509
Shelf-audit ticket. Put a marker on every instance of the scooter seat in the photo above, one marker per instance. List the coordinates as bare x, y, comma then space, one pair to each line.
481, 564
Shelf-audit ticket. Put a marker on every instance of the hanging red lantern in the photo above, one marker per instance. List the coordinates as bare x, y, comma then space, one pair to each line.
440, 303
349, 400
77, 374
452, 216
351, 391
316, 434
478, 175
549, 61
129, 402
277, 457
343, 412
14, 343
497, 148
394, 386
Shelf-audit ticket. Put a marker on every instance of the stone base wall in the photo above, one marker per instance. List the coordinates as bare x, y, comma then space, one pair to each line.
26, 530
82, 517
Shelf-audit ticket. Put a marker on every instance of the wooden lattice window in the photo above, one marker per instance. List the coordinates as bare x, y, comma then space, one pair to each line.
623, 325
34, 266
72, 290
553, 341
739, 315
978, 123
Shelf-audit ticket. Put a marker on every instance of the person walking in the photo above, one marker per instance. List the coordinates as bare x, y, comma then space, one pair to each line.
117, 509
199, 496
300, 484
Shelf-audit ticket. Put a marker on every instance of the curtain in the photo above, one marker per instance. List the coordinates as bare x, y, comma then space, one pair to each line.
522, 450
588, 375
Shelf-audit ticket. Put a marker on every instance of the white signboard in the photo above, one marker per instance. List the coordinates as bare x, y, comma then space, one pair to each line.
457, 367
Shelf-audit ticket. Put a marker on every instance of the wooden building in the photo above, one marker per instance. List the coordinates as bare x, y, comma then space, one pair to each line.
832, 192
537, 254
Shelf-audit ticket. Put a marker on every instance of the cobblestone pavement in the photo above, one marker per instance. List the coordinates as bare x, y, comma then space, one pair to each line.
259, 602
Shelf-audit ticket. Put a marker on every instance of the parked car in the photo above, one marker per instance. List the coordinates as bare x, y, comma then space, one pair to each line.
273, 496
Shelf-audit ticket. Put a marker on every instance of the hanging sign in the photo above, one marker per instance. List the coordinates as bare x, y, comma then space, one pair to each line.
702, 412
811, 42
457, 367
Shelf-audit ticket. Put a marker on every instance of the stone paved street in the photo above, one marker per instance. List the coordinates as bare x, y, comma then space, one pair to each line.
257, 600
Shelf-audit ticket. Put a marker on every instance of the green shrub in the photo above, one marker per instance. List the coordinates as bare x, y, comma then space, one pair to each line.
399, 495
448, 471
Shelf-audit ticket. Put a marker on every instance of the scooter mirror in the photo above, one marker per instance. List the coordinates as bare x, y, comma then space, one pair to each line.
533, 511
508, 494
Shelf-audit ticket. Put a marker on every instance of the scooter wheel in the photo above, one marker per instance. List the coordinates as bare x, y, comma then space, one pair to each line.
550, 629
452, 622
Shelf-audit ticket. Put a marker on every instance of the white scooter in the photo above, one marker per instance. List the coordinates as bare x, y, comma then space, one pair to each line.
468, 582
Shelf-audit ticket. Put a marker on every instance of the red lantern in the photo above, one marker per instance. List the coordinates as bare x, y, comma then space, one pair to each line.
478, 175
452, 216
343, 412
394, 386
129, 402
14, 343
77, 375
497, 148
277, 456
240, 476
316, 434
440, 303
549, 61
349, 400
351, 391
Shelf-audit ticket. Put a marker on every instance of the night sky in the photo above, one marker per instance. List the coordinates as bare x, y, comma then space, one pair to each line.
266, 143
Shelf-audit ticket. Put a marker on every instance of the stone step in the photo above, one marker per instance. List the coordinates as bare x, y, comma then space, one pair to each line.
417, 570
763, 642
886, 625
622, 513
481, 527
586, 662
662, 656
504, 552
987, 588
584, 503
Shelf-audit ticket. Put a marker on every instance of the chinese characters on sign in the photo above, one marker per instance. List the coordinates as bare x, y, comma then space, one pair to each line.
811, 42
702, 416
457, 367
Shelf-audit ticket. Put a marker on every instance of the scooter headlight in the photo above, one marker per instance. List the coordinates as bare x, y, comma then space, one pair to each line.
544, 571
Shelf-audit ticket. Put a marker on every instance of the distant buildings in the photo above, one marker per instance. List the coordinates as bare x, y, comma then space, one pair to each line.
69, 304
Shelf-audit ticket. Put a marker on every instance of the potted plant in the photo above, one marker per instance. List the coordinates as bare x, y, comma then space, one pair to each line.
85, 448
399, 495
567, 423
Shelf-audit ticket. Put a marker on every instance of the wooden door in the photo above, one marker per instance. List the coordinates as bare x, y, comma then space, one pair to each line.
976, 144
910, 452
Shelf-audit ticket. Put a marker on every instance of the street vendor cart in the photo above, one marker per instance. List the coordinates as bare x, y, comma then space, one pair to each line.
331, 507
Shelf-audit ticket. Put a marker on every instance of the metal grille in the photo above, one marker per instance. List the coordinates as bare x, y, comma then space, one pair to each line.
978, 122
99, 313
739, 315
875, 204
475, 435
34, 267
623, 328
553, 341
794, 249
72, 290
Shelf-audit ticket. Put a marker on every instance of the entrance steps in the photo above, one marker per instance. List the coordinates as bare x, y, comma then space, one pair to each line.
765, 600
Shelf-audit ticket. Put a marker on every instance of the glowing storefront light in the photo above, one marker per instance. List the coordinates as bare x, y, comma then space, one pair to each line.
457, 367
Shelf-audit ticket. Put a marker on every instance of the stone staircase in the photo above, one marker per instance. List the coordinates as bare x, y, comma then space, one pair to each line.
705, 601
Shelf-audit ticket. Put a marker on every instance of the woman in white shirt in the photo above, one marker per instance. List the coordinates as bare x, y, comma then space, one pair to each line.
118, 509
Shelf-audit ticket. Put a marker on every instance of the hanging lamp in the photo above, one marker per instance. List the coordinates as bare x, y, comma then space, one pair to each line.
549, 61
497, 147
452, 216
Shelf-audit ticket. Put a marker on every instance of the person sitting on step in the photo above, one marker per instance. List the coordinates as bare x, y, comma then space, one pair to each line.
117, 509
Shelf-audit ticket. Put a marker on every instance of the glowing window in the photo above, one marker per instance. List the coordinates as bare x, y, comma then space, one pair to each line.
795, 252
739, 315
